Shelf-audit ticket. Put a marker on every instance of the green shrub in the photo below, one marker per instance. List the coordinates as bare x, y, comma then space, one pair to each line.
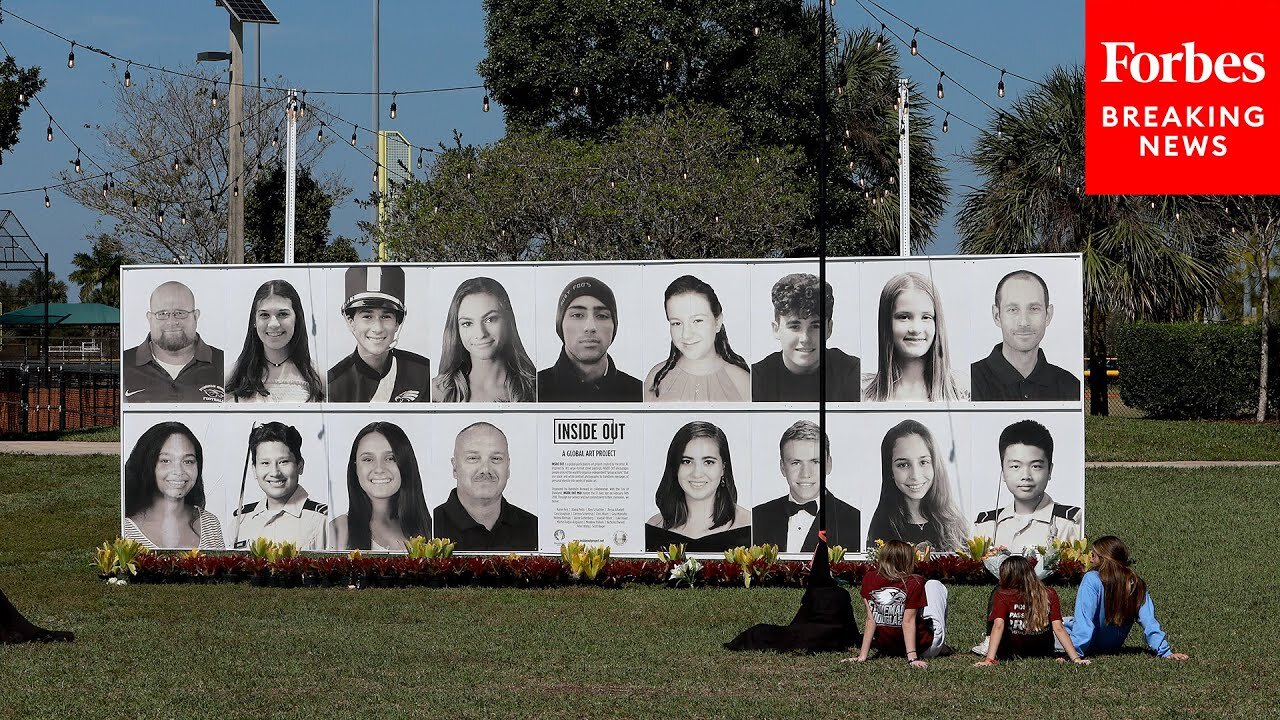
1189, 370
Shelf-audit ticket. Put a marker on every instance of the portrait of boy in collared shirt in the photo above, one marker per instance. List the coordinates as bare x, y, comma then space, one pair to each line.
286, 513
1033, 518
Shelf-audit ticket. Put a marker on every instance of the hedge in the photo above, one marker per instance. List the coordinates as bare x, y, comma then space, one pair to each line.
1189, 370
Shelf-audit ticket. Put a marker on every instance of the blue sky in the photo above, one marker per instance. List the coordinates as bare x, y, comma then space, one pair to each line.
327, 45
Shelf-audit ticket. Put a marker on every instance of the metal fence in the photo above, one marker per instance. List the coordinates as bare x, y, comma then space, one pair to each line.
34, 399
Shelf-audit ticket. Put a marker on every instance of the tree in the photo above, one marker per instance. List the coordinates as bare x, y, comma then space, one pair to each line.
670, 185
98, 272
171, 118
30, 290
580, 68
1139, 261
264, 210
15, 82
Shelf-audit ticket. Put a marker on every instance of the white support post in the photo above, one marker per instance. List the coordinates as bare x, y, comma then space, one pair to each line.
904, 169
291, 177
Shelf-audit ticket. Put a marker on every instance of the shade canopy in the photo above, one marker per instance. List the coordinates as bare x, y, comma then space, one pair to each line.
64, 314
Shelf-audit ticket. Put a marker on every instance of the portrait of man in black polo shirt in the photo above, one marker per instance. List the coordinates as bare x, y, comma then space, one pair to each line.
378, 371
476, 516
1016, 369
587, 322
791, 374
173, 364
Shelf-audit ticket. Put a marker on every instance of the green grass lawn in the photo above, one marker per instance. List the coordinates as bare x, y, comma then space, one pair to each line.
110, 433
1129, 439
1202, 537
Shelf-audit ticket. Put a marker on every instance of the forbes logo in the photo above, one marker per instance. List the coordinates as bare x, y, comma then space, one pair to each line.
1174, 67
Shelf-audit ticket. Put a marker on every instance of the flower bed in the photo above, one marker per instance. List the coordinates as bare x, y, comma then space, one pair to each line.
527, 571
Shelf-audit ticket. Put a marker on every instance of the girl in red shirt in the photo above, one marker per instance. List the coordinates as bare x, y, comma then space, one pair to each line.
906, 615
1026, 616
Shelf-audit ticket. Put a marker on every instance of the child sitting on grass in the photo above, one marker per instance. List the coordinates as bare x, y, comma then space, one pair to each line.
906, 615
1026, 616
1110, 598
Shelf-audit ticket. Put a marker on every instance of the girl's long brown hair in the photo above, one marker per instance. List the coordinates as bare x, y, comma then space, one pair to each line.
896, 560
1016, 574
1123, 591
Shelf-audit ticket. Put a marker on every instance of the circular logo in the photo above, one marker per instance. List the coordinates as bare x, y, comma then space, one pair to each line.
559, 535
620, 538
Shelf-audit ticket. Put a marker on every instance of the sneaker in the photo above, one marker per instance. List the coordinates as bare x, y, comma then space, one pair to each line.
982, 647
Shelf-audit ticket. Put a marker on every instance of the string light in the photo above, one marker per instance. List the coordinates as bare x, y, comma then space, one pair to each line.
160, 214
79, 168
375, 174
22, 96
175, 163
941, 75
915, 47
944, 122
213, 99
235, 189
128, 78
104, 189
666, 65
320, 133
880, 38
755, 31
1000, 85
46, 198
302, 105
48, 132
71, 57
419, 158
393, 106
133, 197
183, 218
353, 136
485, 105
577, 90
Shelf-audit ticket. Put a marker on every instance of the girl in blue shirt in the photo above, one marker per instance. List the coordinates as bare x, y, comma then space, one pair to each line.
1110, 598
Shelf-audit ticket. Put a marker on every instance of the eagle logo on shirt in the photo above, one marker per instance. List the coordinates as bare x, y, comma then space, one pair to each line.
406, 396
888, 605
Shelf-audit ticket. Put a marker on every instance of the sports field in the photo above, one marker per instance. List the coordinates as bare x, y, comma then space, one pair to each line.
1204, 540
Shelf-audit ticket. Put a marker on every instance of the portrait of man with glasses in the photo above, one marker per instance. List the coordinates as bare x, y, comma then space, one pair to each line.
173, 364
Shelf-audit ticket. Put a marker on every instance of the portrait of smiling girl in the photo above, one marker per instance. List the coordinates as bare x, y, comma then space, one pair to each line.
913, 359
697, 497
482, 358
916, 503
275, 362
701, 366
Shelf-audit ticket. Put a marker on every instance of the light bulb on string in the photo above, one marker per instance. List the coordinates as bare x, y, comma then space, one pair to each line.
71, 57
393, 106
353, 136
22, 97
940, 76
133, 197
320, 133
302, 105
577, 90
755, 31
915, 48
46, 198
79, 167
48, 132
1000, 85
175, 163
419, 158
468, 174
105, 189
213, 99
375, 174
275, 138
945, 125
235, 189
484, 106
182, 219
666, 65
160, 214
880, 37
128, 78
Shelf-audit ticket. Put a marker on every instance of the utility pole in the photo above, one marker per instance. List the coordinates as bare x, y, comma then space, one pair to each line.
235, 163
904, 169
377, 89
291, 177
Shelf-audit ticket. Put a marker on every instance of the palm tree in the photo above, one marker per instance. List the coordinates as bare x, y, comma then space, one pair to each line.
98, 272
1140, 260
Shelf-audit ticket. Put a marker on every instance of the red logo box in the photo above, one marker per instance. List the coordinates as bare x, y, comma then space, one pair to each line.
1182, 97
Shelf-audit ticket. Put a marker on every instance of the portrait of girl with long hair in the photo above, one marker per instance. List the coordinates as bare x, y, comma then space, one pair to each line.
697, 497
916, 503
913, 358
701, 366
482, 358
164, 499
275, 362
384, 489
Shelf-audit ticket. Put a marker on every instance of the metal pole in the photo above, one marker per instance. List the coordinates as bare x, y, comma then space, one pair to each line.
377, 89
823, 310
904, 169
235, 162
48, 290
291, 179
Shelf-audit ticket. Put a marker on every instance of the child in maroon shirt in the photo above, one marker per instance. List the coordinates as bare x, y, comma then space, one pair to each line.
906, 615
1026, 616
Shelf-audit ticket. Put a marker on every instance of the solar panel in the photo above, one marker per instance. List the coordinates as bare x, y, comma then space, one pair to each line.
249, 11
